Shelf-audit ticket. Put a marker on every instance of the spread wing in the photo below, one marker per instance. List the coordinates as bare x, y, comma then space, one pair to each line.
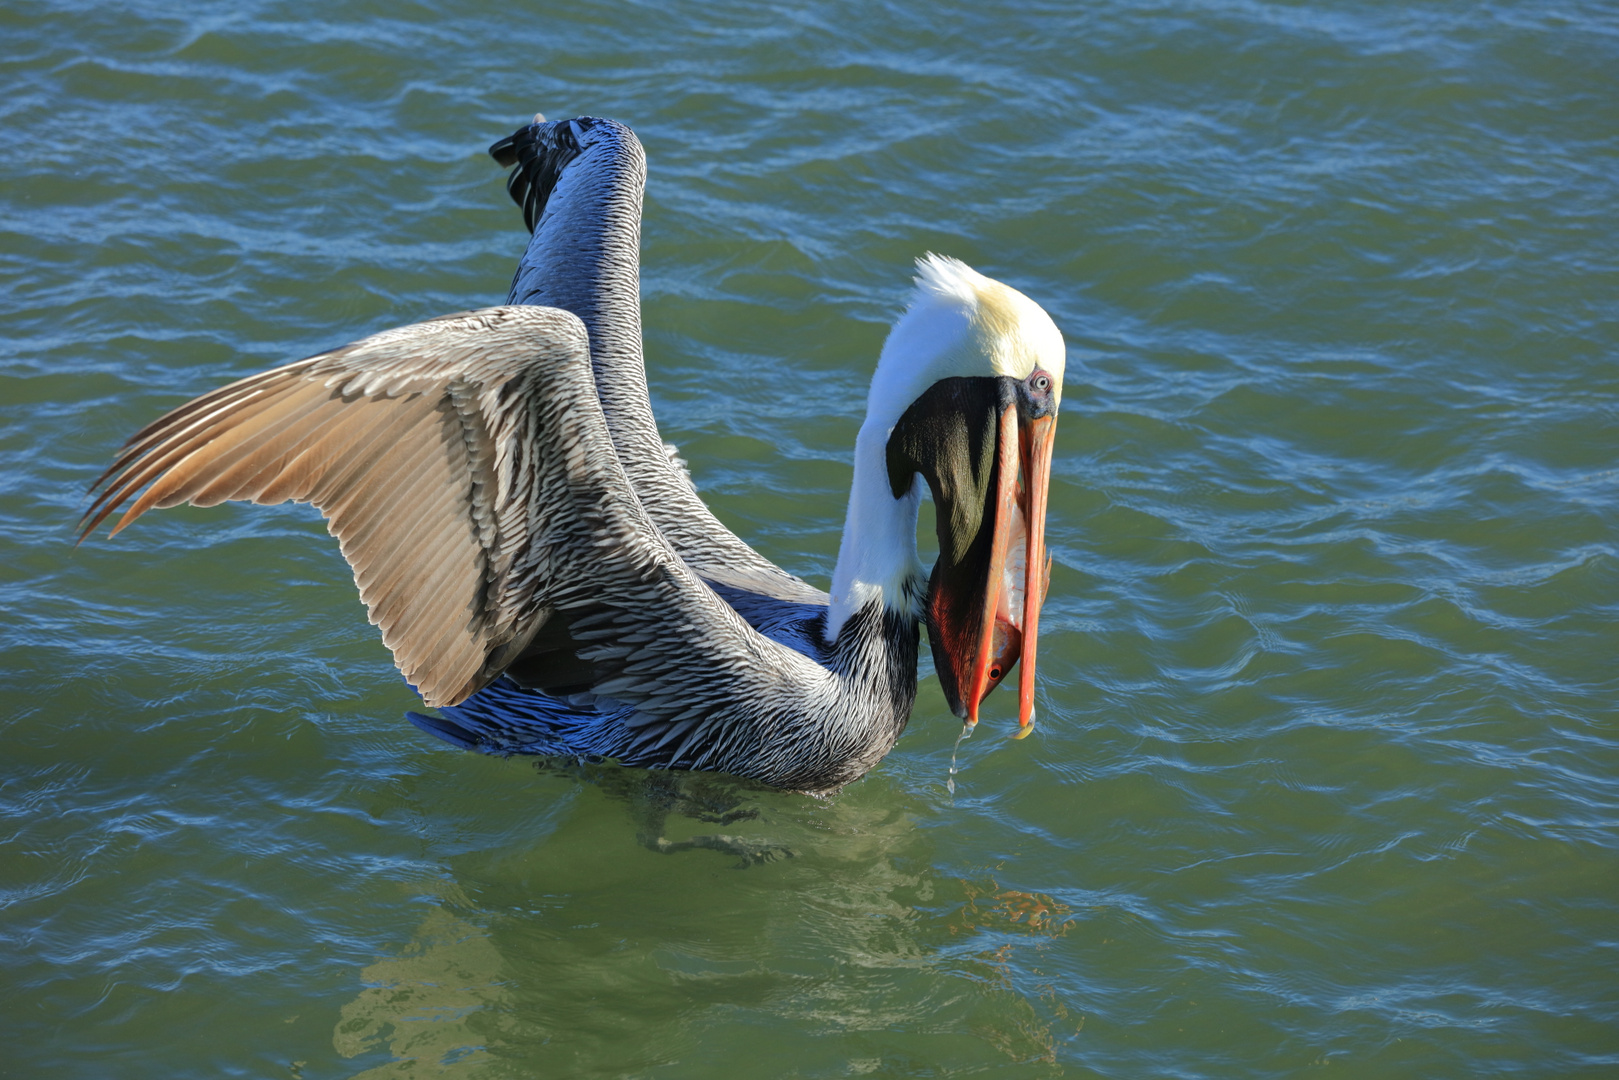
465, 466
579, 183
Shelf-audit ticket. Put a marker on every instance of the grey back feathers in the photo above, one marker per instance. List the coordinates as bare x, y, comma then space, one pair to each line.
580, 184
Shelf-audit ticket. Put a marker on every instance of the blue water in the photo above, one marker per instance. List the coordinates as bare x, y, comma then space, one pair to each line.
1327, 773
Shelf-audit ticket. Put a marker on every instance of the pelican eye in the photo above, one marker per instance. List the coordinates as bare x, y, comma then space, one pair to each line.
1040, 382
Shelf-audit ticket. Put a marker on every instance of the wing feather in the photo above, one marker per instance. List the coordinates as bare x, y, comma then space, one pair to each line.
242, 450
339, 487
339, 437
375, 435
467, 471
377, 557
407, 479
414, 571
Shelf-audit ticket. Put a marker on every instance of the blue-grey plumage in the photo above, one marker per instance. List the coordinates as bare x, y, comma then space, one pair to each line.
538, 560
580, 183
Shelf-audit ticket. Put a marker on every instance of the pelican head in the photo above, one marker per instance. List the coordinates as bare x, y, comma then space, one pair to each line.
965, 401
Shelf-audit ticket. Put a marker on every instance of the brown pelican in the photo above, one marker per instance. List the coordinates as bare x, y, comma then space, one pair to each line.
537, 558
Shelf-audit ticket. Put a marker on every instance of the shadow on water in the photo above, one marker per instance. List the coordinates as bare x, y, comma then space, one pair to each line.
541, 955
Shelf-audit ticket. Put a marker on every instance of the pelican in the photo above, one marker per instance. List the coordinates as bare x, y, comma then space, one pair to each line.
538, 559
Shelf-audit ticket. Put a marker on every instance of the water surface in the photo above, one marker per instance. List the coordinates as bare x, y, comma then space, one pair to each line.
1328, 766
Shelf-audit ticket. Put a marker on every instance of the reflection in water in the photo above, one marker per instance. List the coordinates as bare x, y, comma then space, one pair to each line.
418, 1005
547, 957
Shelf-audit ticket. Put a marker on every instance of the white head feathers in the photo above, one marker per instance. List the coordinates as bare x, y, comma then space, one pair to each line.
959, 322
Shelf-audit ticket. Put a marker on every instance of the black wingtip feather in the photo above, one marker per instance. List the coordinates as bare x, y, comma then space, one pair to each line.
505, 151
537, 153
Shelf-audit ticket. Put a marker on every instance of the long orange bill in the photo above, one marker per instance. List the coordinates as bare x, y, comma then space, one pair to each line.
1037, 439
1000, 638
985, 594
1018, 571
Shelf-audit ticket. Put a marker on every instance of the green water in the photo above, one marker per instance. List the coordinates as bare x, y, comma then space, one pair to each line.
1327, 774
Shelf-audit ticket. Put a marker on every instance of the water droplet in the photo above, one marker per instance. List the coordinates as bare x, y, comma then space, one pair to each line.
966, 733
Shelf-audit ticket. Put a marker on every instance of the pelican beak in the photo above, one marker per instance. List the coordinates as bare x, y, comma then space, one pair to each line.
984, 446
